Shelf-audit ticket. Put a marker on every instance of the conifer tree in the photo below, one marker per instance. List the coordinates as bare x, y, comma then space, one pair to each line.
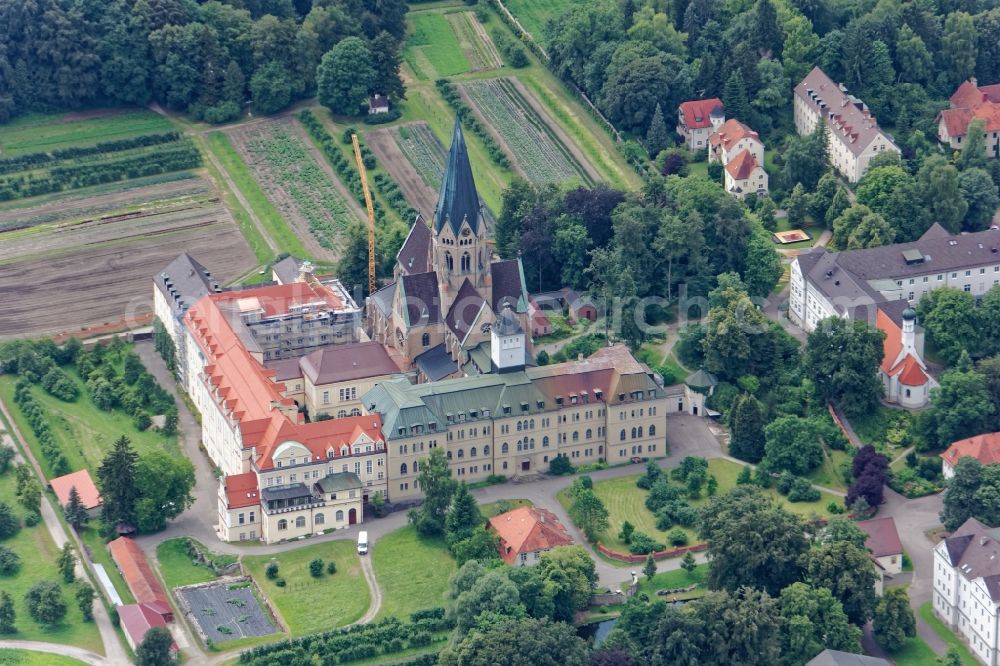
116, 477
76, 513
463, 515
7, 614
649, 569
67, 562
657, 137
746, 427
735, 97
85, 600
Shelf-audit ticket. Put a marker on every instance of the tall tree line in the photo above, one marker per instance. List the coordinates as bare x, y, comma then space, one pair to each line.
207, 59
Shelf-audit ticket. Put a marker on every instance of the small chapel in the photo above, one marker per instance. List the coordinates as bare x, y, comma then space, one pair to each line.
449, 287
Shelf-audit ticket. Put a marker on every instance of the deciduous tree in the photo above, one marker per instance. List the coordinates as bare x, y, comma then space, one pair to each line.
345, 76
155, 648
848, 573
166, 483
792, 443
894, 622
45, 602
8, 615
842, 359
813, 620
438, 486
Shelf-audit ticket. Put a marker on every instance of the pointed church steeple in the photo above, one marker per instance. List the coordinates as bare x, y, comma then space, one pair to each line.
458, 199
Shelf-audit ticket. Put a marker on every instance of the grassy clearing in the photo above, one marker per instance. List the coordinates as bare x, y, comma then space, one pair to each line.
177, 567
34, 133
273, 222
411, 572
828, 474
926, 612
38, 562
306, 604
27, 658
99, 554
533, 14
625, 501
84, 432
434, 40
672, 580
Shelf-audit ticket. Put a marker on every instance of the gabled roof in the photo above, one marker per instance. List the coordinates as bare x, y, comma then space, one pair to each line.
436, 363
319, 437
730, 134
383, 299
741, 166
838, 658
184, 281
702, 378
341, 363
974, 550
967, 96
414, 255
89, 495
508, 285
457, 201
137, 619
421, 299
526, 530
698, 113
984, 448
241, 490
465, 310
138, 575
287, 270
338, 481
883, 539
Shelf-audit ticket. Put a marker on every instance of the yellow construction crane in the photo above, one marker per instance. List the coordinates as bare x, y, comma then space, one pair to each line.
371, 214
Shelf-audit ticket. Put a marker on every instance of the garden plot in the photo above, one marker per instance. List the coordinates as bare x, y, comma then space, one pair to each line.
226, 611
539, 149
414, 158
479, 49
293, 180
433, 50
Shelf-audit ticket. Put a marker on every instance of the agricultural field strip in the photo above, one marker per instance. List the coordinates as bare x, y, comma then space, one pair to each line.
33, 134
434, 43
423, 150
295, 183
532, 14
477, 45
534, 146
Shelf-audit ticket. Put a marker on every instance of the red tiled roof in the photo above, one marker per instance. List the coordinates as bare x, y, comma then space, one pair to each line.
697, 112
911, 374
883, 539
318, 436
241, 490
984, 448
527, 529
968, 96
969, 103
89, 495
139, 576
893, 342
992, 92
741, 166
137, 619
731, 132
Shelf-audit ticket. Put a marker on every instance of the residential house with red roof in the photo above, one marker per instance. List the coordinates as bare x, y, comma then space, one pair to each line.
853, 134
985, 448
971, 102
90, 497
741, 153
883, 543
525, 533
697, 119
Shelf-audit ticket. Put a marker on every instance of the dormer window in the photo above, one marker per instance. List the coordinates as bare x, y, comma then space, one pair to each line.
506, 409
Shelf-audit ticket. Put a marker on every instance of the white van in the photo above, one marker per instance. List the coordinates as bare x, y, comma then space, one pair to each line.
362, 543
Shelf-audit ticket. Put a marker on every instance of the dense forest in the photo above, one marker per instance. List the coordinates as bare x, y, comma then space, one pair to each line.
207, 59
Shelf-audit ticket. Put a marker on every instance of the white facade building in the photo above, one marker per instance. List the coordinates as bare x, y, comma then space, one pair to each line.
967, 586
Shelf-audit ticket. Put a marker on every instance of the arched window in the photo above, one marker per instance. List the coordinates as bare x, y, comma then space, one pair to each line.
652, 431
416, 466
504, 448
319, 519
340, 516
532, 424
532, 443
622, 436
576, 436
518, 445
640, 431
466, 263
472, 452
545, 441
519, 426
589, 433
300, 521
461, 453
449, 262
425, 339
504, 464
282, 525
449, 455
355, 412
633, 433
402, 469
486, 450
342, 414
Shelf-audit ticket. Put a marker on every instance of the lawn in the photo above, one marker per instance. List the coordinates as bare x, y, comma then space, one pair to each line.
35, 133
491, 509
26, 658
828, 474
99, 554
412, 572
276, 227
177, 567
533, 14
306, 604
433, 42
672, 580
625, 501
84, 432
944, 633
38, 562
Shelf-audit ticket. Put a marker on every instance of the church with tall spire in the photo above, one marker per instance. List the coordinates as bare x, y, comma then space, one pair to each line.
449, 286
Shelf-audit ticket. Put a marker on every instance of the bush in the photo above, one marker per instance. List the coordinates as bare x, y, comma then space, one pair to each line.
496, 479
835, 508
271, 571
653, 474
316, 567
643, 544
31, 519
586, 482
560, 465
677, 537
331, 568
785, 482
802, 491
10, 561
715, 171
280, 582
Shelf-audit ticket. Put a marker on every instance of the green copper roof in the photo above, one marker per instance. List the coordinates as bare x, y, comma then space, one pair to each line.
701, 379
457, 200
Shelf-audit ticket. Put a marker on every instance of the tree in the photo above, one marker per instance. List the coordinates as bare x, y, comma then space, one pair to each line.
958, 47
474, 593
688, 563
345, 76
869, 469
941, 194
463, 516
570, 247
961, 500
915, 62
735, 97
116, 478
813, 619
980, 193
45, 603
166, 482
6, 456
438, 486
386, 62
480, 545
746, 427
85, 600
948, 316
10, 561
838, 205
30, 494
841, 528
973, 155
76, 513
806, 158
847, 571
589, 513
270, 88
801, 44
519, 642
751, 541
8, 616
570, 577
9, 524
961, 406
842, 359
792, 443
893, 622
649, 568
67, 563
657, 137
155, 648
797, 206
741, 627
872, 231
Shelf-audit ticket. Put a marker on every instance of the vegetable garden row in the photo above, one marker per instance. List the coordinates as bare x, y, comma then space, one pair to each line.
537, 149
479, 50
423, 150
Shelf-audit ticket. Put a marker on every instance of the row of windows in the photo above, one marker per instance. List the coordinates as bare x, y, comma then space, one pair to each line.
300, 522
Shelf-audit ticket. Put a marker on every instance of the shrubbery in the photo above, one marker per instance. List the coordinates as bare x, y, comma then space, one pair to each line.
643, 544
511, 51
